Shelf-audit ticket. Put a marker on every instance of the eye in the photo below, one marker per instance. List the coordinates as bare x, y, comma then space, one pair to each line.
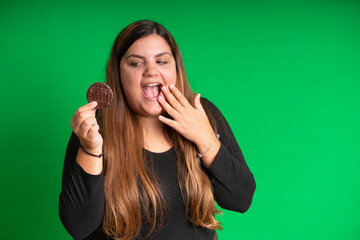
135, 64
162, 62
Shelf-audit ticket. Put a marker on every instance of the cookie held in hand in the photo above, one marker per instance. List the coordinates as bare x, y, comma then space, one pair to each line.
101, 93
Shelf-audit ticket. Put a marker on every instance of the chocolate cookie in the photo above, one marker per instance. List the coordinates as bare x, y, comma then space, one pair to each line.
101, 93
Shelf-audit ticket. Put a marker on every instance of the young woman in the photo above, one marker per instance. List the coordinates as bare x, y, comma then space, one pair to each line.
168, 153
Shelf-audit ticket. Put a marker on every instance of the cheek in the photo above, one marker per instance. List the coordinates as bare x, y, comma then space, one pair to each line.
129, 80
170, 76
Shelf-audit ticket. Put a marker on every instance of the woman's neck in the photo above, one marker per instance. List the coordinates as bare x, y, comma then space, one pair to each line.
155, 139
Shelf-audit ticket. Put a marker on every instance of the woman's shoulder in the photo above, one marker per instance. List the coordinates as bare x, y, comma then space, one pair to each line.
210, 106
215, 116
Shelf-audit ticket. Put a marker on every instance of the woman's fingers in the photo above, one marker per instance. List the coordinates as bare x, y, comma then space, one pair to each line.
188, 120
86, 125
89, 106
81, 114
93, 131
197, 103
179, 96
174, 103
80, 120
169, 122
167, 107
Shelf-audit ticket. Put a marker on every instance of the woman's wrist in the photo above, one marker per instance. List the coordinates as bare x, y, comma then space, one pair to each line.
93, 152
201, 154
204, 141
92, 148
90, 164
210, 157
208, 147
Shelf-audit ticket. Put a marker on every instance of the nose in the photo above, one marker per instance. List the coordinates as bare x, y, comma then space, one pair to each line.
151, 70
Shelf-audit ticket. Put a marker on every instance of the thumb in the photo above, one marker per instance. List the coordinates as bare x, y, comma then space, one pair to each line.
197, 103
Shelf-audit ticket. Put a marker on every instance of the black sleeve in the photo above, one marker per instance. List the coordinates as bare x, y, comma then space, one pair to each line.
232, 181
82, 198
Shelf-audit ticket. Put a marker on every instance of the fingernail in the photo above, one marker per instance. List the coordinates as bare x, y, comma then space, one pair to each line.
160, 98
171, 86
163, 88
94, 103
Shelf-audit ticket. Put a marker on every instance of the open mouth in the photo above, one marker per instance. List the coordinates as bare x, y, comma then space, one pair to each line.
151, 91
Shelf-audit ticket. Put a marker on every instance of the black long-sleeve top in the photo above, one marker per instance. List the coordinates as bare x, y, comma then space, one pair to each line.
82, 199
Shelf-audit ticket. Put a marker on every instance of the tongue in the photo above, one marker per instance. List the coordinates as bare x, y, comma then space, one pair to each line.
151, 91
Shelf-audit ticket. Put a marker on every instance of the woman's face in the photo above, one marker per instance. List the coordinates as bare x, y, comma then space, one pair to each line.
146, 66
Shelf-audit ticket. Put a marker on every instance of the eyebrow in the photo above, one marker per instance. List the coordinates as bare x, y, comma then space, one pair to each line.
139, 56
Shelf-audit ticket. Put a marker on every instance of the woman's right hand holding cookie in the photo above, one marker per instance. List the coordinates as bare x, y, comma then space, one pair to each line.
85, 126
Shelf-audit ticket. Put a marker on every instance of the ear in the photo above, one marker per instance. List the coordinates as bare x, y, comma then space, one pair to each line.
197, 103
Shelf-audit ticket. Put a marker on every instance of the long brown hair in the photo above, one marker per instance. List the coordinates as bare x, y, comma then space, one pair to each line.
133, 195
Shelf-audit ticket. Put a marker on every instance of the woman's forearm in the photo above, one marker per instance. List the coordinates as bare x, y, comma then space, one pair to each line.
91, 164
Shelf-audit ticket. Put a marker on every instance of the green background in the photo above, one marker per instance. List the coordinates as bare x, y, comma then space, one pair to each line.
286, 75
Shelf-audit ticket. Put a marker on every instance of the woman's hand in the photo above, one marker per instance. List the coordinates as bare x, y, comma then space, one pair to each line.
190, 122
86, 128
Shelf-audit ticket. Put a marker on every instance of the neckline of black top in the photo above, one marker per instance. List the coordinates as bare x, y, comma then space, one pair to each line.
160, 153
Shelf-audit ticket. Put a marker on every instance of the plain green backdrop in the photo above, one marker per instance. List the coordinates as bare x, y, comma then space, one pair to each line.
286, 75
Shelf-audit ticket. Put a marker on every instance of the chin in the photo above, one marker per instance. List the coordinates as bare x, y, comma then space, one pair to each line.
153, 111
